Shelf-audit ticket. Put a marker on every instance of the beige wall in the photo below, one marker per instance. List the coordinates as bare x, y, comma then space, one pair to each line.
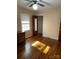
51, 23
20, 11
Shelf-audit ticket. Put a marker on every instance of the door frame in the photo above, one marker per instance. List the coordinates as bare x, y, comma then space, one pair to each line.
60, 33
33, 25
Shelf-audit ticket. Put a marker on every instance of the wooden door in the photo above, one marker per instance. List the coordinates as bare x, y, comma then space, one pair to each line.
35, 25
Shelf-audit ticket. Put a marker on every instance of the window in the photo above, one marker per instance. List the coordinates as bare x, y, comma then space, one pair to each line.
25, 21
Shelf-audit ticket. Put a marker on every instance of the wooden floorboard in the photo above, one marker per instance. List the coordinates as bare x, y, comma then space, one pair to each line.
27, 51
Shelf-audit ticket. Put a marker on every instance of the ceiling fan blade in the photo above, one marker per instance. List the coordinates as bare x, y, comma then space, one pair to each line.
44, 2
29, 0
31, 5
28, 3
41, 4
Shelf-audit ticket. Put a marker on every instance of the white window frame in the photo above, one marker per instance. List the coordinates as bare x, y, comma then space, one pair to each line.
25, 21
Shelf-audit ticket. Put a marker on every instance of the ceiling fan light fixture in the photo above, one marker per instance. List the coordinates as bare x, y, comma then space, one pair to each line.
35, 6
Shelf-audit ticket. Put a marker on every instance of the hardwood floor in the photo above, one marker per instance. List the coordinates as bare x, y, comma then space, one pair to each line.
27, 51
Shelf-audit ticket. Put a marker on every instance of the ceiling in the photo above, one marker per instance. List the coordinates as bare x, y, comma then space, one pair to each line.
52, 4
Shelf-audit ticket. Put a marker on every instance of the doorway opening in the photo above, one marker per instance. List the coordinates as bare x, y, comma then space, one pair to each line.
37, 25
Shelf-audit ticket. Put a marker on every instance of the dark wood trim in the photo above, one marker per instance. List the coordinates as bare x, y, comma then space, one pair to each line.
32, 25
37, 24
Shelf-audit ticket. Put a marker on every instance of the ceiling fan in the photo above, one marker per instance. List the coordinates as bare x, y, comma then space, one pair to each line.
36, 3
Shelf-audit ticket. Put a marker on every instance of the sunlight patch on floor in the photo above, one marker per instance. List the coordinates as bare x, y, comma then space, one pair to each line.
46, 49
41, 46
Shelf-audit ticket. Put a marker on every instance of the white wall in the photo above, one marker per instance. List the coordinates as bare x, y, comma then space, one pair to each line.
51, 23
20, 11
